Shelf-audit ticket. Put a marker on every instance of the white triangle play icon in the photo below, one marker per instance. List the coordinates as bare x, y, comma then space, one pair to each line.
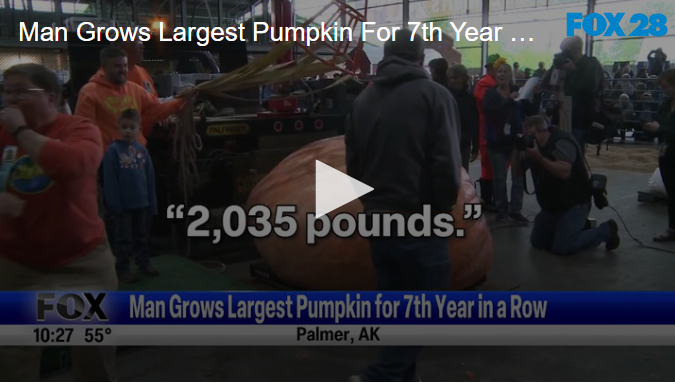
335, 189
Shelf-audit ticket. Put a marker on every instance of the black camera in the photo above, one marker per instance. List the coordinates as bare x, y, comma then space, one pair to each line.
559, 59
599, 190
524, 142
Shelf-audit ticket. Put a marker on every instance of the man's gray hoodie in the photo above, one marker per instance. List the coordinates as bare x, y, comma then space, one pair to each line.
402, 138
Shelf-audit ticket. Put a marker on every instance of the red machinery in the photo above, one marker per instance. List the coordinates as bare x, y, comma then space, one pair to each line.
281, 103
237, 151
283, 16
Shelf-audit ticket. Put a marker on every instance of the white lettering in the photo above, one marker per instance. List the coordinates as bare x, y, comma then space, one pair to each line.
457, 31
472, 33
416, 24
365, 30
44, 34
257, 32
92, 34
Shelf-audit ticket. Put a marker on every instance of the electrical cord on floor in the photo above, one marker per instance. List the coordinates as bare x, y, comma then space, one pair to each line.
638, 241
618, 215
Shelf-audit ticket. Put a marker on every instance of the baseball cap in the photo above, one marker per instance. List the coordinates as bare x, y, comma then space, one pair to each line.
492, 59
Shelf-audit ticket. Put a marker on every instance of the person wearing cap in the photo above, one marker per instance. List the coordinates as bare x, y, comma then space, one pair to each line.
486, 176
402, 138
584, 82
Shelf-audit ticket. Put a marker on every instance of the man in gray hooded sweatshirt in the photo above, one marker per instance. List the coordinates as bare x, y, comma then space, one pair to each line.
402, 138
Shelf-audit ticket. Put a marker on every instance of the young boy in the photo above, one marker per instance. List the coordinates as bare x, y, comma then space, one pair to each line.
129, 194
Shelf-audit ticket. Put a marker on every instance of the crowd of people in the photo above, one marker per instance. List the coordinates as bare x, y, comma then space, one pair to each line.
634, 96
408, 136
630, 94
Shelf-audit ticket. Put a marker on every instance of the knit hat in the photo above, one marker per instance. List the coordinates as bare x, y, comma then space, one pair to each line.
407, 45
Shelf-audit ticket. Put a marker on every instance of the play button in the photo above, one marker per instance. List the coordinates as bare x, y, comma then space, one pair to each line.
335, 189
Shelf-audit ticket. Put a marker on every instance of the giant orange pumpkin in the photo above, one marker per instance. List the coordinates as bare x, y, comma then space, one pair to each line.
334, 263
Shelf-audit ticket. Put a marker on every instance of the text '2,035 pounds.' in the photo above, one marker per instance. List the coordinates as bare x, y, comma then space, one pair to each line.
259, 222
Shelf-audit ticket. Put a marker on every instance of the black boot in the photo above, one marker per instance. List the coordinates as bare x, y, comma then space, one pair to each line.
487, 195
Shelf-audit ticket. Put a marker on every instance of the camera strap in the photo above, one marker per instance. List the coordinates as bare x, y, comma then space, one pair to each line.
597, 183
527, 192
525, 183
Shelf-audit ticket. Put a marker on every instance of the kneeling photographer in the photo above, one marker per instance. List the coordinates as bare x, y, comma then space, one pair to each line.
564, 192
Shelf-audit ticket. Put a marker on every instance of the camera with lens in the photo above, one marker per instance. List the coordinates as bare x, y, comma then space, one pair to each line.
524, 142
559, 59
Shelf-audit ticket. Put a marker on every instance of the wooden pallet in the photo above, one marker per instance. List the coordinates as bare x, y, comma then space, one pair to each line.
651, 198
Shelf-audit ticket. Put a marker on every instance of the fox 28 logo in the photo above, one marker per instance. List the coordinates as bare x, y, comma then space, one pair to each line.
71, 307
609, 24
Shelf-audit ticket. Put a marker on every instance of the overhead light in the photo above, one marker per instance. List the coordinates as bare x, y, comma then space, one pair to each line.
156, 25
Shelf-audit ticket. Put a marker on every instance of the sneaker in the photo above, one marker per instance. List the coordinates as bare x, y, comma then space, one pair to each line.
148, 270
614, 239
519, 218
127, 277
502, 218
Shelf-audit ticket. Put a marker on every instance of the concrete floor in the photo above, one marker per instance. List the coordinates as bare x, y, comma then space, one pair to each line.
630, 268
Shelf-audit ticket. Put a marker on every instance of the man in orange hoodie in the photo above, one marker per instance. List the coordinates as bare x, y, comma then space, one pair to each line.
486, 183
109, 92
51, 237
137, 74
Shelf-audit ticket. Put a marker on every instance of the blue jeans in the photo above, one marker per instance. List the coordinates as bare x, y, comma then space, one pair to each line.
499, 159
131, 238
406, 264
580, 135
564, 234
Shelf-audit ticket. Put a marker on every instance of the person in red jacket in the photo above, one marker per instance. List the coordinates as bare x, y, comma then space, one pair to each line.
488, 81
51, 236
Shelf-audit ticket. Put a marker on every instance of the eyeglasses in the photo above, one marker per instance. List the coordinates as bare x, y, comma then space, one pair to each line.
20, 94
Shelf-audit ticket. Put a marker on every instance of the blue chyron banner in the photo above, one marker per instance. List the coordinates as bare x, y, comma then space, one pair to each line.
345, 308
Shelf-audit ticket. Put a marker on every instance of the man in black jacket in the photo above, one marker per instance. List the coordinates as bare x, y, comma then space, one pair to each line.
456, 80
583, 84
402, 138
564, 193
